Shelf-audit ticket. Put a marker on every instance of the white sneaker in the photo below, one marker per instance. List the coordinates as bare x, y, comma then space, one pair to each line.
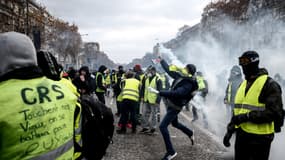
169, 156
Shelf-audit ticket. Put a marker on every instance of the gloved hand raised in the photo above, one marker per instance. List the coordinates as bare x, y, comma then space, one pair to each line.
239, 119
153, 90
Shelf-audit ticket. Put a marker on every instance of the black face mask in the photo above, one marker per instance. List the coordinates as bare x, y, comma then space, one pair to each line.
250, 70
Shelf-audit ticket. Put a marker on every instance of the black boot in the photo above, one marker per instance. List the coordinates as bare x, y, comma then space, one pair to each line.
123, 130
134, 130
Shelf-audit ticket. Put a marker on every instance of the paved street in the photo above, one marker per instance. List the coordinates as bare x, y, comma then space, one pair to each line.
151, 147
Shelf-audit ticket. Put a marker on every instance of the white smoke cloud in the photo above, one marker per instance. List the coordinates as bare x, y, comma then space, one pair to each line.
215, 56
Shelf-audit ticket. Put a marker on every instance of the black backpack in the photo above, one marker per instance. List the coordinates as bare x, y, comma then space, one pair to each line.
97, 127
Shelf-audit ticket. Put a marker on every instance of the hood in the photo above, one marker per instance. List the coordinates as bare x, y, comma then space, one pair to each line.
235, 73
102, 68
84, 68
262, 71
16, 51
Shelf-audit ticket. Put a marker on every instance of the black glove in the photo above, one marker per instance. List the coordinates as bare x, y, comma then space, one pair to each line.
231, 128
227, 139
239, 119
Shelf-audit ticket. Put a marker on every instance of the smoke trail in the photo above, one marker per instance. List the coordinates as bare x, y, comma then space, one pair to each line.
215, 55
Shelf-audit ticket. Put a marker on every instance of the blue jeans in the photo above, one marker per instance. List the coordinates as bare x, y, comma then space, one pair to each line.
171, 117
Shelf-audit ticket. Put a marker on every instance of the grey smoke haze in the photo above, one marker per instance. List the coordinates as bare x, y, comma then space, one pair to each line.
130, 28
215, 57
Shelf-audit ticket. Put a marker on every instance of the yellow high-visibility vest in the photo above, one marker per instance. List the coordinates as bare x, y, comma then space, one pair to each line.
131, 89
163, 81
201, 83
120, 96
103, 82
70, 85
229, 92
78, 118
36, 119
108, 79
141, 77
249, 102
150, 97
114, 78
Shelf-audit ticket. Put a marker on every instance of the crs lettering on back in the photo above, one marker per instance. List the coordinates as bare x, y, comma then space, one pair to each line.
44, 94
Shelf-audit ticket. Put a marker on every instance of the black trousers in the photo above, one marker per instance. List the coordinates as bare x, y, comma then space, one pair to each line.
101, 96
128, 109
252, 146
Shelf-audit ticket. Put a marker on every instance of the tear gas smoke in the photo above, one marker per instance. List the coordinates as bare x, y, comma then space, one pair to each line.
215, 56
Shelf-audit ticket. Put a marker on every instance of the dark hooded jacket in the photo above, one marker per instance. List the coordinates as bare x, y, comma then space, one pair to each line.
99, 79
271, 96
116, 86
234, 82
181, 90
89, 83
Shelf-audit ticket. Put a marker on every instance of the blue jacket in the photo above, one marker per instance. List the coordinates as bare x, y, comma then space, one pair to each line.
180, 92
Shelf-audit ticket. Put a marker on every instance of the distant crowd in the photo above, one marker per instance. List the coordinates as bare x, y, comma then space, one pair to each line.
50, 113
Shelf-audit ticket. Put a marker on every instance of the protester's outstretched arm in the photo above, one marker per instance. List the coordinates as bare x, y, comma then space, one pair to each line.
177, 93
165, 66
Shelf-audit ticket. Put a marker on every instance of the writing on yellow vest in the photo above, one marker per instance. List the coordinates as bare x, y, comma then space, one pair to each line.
42, 92
37, 119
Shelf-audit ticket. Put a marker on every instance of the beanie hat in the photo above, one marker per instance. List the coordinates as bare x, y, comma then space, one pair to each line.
249, 61
191, 68
137, 67
102, 68
249, 57
16, 51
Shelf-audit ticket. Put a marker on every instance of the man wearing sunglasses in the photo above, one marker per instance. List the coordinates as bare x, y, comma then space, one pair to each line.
258, 111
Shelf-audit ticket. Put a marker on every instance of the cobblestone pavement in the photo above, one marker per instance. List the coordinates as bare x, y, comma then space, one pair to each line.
151, 147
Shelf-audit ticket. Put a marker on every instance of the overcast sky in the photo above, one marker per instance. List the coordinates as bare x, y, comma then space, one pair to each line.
127, 29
